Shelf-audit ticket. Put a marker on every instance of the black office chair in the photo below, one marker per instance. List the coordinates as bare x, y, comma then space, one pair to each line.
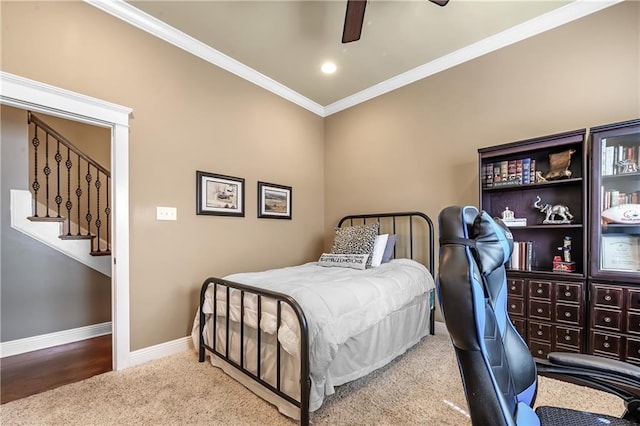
499, 374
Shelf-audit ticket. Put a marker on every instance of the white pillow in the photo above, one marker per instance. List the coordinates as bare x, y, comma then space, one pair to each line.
378, 250
355, 261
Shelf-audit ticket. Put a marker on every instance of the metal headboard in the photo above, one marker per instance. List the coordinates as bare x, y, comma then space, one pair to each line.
420, 218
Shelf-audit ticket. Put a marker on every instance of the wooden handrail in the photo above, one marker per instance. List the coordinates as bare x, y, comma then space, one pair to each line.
34, 119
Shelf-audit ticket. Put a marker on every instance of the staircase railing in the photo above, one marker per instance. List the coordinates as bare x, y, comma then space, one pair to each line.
81, 208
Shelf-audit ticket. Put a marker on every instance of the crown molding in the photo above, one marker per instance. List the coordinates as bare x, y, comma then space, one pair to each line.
565, 14
540, 24
155, 27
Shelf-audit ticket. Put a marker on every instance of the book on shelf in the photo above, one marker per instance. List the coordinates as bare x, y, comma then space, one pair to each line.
497, 177
511, 171
532, 171
504, 172
607, 169
526, 171
515, 222
488, 175
522, 256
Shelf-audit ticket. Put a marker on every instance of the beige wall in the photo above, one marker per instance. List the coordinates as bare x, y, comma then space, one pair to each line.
416, 148
187, 115
412, 149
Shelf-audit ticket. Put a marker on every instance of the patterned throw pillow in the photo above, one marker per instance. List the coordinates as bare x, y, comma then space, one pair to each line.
358, 239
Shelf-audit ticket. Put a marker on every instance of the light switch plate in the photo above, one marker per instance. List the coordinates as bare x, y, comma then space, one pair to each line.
166, 213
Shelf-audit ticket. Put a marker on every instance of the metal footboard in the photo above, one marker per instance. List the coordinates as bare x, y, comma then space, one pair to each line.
279, 299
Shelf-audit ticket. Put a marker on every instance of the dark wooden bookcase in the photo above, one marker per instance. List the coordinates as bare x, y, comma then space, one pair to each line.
547, 306
614, 245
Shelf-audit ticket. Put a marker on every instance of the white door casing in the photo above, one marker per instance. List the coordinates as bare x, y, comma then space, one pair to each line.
28, 94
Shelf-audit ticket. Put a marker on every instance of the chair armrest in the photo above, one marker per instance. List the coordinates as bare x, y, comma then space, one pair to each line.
593, 362
604, 374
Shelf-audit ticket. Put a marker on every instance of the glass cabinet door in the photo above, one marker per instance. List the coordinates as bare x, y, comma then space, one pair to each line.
615, 202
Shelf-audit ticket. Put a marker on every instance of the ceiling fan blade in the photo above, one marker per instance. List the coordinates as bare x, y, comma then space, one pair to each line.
353, 20
440, 2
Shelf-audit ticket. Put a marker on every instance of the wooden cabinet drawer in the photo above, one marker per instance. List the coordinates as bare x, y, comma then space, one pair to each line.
539, 349
540, 310
633, 350
569, 337
607, 296
568, 314
633, 300
633, 323
515, 287
520, 325
568, 292
606, 344
607, 319
515, 306
540, 289
540, 331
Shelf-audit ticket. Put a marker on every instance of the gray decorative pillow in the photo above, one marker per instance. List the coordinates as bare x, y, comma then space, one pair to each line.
358, 239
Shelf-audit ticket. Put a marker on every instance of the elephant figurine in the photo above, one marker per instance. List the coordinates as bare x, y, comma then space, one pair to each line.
553, 210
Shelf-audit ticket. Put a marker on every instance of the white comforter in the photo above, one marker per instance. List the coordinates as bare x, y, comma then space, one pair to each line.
338, 303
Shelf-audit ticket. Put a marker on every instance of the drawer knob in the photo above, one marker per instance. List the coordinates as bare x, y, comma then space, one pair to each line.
513, 287
607, 298
567, 314
606, 344
607, 319
539, 291
540, 352
567, 337
513, 306
539, 333
567, 293
539, 310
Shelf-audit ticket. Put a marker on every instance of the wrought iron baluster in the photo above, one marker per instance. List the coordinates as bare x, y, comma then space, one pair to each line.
98, 222
69, 205
47, 172
58, 158
107, 212
78, 194
88, 217
35, 185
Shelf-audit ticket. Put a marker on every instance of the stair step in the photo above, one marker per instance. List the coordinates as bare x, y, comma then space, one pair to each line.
46, 219
101, 253
77, 237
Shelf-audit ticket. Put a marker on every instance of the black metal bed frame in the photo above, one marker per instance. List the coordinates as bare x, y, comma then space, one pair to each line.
280, 298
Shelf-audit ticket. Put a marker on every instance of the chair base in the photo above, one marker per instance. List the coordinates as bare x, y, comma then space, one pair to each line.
567, 417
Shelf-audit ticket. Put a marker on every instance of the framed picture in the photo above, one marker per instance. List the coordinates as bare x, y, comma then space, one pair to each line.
219, 195
621, 253
274, 201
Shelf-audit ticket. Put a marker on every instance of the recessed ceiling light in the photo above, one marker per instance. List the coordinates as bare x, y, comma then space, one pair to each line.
328, 68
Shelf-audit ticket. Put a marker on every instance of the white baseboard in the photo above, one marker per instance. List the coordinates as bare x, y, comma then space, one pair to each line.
440, 328
159, 351
28, 344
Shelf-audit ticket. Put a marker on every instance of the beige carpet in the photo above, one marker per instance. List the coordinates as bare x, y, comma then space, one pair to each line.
422, 387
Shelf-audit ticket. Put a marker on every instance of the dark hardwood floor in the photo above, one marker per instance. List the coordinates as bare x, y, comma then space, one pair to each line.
34, 372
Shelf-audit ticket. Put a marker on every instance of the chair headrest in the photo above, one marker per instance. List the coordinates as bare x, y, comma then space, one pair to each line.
493, 240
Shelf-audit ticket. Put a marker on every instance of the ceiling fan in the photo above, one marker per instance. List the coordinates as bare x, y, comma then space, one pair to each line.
354, 18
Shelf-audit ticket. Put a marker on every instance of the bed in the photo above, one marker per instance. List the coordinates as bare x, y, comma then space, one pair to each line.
291, 335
